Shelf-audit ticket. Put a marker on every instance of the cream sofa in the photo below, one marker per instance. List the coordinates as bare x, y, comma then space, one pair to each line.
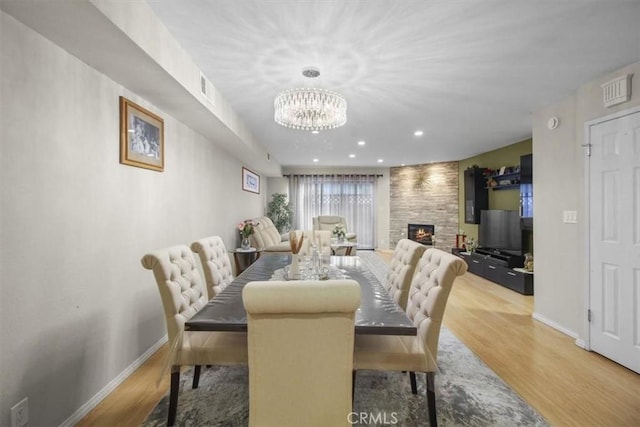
266, 237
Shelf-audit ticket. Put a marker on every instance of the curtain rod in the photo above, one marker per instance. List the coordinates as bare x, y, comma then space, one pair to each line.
287, 175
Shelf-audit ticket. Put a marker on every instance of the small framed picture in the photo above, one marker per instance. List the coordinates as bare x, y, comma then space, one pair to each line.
141, 137
250, 181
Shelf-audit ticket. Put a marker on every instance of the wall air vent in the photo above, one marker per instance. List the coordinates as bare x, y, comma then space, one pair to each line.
206, 88
617, 91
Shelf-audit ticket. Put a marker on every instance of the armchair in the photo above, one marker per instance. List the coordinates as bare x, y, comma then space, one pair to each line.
329, 223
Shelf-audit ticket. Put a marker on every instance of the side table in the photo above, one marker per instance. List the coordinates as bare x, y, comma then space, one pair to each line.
348, 247
243, 258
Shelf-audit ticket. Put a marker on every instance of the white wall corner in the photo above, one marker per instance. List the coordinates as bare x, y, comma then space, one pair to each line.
581, 343
540, 318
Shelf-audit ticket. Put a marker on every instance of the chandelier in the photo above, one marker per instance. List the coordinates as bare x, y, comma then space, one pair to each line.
310, 109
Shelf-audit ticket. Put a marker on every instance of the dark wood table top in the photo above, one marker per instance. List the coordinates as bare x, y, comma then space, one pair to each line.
378, 314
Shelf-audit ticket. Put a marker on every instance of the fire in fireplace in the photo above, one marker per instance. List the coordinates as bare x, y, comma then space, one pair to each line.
421, 233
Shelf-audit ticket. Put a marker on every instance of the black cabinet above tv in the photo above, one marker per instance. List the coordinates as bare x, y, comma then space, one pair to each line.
509, 180
476, 198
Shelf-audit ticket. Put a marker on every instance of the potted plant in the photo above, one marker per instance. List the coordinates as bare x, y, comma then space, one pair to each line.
279, 212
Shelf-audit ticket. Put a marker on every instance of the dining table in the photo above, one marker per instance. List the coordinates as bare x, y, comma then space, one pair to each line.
378, 313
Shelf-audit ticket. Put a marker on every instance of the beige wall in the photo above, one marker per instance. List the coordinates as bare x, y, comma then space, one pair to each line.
559, 185
77, 308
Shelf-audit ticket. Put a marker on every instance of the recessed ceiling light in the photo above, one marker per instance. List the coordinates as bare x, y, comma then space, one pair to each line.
311, 72
352, 156
418, 133
315, 132
380, 160
316, 160
361, 143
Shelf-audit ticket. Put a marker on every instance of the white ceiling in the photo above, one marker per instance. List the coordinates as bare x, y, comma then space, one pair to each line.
467, 72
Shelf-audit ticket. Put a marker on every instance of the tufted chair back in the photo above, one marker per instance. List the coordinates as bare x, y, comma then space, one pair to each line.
179, 282
215, 263
403, 265
300, 336
430, 288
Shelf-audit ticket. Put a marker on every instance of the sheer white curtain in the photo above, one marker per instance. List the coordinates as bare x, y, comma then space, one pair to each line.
348, 196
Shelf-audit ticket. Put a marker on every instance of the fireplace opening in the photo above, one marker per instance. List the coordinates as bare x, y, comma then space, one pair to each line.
421, 233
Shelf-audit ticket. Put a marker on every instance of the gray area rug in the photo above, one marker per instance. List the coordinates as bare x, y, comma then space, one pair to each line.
468, 393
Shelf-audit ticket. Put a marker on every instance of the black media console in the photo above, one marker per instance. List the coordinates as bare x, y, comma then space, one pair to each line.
498, 266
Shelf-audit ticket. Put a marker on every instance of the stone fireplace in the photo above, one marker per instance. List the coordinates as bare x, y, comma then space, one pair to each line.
422, 194
421, 233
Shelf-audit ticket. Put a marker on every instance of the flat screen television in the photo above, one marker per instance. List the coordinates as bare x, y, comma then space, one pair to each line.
500, 229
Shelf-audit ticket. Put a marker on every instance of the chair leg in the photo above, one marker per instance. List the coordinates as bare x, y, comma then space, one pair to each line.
412, 378
196, 376
353, 386
431, 399
173, 396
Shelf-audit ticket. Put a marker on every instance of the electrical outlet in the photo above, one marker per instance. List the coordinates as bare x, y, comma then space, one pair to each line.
20, 413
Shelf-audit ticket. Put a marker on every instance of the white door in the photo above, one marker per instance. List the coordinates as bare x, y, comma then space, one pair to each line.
614, 230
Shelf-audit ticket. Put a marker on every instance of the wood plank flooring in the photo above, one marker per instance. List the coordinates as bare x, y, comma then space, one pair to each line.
566, 384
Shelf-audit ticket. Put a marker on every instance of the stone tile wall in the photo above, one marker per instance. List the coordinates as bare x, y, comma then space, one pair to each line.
425, 194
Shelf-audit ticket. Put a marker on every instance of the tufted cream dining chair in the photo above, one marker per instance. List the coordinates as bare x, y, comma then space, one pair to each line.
215, 263
404, 262
428, 296
300, 336
182, 294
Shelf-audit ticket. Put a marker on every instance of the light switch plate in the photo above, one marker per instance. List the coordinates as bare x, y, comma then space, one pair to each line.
569, 217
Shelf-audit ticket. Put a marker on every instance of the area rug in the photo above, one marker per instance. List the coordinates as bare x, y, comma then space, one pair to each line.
468, 393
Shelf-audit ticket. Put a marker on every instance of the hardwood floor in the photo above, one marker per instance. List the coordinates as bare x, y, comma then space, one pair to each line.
566, 384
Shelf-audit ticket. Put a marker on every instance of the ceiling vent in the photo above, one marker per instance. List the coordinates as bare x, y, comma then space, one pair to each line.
617, 91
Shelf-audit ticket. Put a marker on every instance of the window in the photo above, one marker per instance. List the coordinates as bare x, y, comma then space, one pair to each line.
348, 196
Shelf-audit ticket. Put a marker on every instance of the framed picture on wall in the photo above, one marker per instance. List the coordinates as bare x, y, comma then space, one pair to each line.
250, 181
141, 137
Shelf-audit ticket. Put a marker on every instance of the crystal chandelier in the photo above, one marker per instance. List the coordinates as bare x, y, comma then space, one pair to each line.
310, 109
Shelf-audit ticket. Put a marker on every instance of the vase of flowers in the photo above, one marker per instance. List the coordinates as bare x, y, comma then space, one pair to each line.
339, 231
246, 230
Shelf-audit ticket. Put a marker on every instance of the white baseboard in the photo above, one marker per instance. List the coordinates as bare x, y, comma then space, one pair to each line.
554, 325
95, 400
581, 343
